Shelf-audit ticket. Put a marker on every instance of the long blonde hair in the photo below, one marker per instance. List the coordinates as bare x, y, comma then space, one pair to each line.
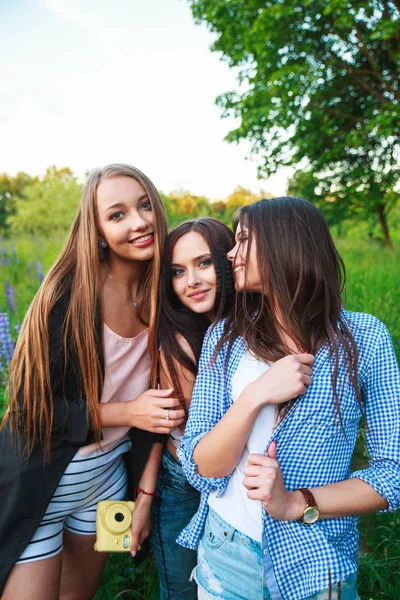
77, 270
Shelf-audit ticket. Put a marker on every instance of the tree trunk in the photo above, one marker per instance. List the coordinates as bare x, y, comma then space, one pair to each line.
384, 226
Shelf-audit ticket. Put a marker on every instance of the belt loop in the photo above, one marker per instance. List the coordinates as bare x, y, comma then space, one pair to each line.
229, 531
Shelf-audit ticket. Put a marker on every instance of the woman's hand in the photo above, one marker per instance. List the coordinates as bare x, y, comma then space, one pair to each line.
264, 481
155, 411
284, 380
141, 522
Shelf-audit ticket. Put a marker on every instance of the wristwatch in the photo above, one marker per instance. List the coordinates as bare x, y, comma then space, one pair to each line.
311, 512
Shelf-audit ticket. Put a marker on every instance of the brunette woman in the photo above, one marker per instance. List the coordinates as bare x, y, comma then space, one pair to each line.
78, 382
196, 288
278, 516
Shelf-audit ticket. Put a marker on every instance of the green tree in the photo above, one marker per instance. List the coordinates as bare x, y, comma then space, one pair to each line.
12, 189
241, 197
49, 206
218, 209
320, 84
181, 205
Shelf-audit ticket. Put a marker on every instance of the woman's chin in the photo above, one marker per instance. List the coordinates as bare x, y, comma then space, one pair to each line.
239, 286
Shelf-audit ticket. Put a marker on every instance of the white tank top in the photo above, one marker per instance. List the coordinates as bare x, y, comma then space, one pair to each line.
234, 506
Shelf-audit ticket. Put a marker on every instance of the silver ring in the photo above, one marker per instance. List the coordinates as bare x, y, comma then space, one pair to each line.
167, 417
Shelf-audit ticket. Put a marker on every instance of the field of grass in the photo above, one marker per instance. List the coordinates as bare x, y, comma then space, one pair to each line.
373, 275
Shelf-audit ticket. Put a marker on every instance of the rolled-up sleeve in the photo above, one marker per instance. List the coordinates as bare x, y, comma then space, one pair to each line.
209, 403
381, 391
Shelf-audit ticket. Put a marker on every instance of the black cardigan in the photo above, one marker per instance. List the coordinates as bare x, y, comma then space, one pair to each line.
26, 488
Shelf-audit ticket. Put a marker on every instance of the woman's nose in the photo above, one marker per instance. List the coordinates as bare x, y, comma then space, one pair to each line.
138, 223
193, 279
232, 253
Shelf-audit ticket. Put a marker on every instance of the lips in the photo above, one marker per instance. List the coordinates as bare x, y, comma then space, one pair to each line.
143, 240
237, 269
199, 295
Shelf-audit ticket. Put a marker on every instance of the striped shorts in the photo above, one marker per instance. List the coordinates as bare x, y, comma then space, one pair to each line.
86, 481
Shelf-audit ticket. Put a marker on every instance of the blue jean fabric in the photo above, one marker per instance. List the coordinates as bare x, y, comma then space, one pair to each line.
230, 567
172, 510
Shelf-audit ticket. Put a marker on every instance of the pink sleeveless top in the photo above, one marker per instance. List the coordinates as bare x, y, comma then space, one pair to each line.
126, 376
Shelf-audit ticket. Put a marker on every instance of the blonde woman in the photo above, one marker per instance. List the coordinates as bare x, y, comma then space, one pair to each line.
78, 383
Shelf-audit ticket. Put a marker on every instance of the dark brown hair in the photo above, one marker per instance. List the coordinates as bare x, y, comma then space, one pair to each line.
302, 279
173, 318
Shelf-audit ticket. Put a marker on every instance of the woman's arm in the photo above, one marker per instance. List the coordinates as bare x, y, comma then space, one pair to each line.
367, 490
209, 403
148, 411
141, 515
70, 418
218, 453
206, 456
185, 377
264, 481
148, 481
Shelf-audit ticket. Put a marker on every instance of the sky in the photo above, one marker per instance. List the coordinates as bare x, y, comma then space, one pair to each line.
85, 83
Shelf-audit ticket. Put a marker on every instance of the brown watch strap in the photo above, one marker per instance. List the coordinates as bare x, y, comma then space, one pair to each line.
309, 497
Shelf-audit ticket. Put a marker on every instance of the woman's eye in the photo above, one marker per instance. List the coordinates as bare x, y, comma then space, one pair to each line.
205, 263
146, 205
116, 215
177, 272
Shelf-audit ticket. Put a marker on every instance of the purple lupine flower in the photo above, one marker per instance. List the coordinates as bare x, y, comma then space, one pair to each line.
6, 343
11, 300
3, 256
17, 327
39, 271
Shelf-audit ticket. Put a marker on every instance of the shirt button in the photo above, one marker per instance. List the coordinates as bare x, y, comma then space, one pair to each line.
265, 551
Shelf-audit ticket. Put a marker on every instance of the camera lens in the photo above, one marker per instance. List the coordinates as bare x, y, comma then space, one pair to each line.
119, 517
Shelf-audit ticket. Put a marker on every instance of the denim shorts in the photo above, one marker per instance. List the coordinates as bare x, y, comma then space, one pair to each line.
230, 567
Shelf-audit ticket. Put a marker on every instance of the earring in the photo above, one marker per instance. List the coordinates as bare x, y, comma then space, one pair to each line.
103, 244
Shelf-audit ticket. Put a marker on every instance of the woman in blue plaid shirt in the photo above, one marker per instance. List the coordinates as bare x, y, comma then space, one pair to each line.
278, 513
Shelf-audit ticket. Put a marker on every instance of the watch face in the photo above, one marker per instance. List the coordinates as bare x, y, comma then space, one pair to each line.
310, 515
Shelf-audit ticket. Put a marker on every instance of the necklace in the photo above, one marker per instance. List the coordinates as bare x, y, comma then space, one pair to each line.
134, 303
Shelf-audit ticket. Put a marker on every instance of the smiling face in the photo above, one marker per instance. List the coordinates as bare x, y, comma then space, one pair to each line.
125, 219
246, 277
194, 280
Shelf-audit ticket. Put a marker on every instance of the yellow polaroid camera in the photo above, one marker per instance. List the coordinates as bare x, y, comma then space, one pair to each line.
113, 526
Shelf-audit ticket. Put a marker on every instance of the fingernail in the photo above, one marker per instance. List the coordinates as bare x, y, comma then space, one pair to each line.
133, 552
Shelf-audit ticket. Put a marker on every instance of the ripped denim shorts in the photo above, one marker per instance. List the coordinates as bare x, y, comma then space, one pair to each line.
229, 567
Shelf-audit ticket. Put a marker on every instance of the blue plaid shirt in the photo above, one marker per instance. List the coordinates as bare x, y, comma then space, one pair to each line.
312, 450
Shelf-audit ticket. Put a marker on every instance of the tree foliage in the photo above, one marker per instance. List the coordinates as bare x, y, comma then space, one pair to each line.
181, 205
320, 87
49, 205
241, 197
12, 189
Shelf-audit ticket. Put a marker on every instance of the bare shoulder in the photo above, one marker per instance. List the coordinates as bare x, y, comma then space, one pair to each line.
186, 377
185, 346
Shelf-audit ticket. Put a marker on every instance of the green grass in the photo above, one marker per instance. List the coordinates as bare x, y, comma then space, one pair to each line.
21, 271
122, 580
373, 283
373, 287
